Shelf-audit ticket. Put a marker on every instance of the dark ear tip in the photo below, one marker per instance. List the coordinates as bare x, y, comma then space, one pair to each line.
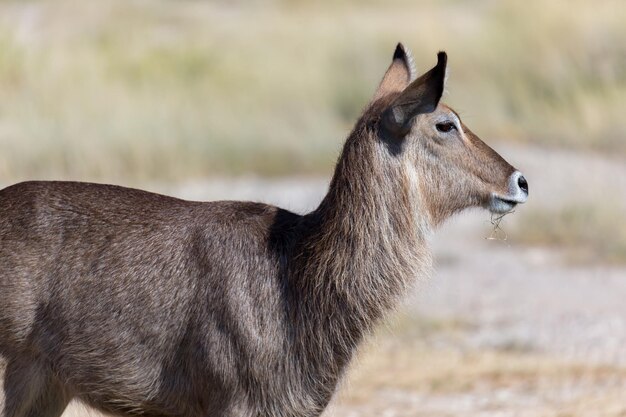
399, 53
442, 58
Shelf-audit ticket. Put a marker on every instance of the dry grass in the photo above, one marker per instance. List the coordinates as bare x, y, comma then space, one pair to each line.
589, 233
402, 380
164, 89
393, 366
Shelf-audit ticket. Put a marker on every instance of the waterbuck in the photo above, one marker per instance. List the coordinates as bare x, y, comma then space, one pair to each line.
141, 304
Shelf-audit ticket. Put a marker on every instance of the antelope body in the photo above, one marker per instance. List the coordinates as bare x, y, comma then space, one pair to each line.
141, 304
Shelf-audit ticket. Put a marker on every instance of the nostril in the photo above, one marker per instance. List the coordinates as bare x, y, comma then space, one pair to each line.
523, 184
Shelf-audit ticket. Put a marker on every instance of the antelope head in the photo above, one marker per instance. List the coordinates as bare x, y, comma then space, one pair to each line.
452, 168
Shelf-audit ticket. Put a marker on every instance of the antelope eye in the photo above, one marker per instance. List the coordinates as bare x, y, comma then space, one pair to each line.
445, 127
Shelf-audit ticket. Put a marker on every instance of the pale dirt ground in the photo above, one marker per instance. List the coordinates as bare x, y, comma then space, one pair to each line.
498, 330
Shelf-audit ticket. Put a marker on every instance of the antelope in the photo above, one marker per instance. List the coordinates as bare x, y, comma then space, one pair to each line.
141, 304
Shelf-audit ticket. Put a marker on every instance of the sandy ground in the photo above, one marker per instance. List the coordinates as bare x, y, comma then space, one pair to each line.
499, 329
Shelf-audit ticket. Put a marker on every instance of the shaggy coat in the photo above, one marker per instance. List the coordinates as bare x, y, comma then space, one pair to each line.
141, 304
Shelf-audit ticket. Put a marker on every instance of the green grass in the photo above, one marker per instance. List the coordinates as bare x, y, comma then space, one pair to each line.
589, 234
170, 89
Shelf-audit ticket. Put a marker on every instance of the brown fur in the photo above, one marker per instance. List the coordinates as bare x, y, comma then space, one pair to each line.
141, 304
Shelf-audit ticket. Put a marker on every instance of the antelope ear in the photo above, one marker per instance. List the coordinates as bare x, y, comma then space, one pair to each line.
421, 96
399, 74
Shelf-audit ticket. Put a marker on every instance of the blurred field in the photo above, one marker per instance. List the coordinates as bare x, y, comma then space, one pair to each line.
405, 380
590, 233
129, 90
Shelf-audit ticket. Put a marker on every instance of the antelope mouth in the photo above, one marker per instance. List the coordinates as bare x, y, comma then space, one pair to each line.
501, 205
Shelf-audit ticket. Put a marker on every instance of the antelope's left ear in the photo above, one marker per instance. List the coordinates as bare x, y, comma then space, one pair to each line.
421, 96
399, 74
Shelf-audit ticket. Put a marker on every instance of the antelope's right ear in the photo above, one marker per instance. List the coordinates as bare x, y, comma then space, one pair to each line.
421, 96
399, 74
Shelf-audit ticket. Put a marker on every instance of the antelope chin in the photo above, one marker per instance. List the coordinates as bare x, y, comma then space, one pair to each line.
500, 205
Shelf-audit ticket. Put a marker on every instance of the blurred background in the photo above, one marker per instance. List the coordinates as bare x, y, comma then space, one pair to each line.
252, 100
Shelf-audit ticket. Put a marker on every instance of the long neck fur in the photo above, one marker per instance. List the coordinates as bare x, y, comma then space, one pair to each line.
366, 243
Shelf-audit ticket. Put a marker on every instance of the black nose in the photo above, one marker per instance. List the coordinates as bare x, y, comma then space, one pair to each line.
523, 184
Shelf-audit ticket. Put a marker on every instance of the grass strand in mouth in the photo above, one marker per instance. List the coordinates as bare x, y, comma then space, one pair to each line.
498, 233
